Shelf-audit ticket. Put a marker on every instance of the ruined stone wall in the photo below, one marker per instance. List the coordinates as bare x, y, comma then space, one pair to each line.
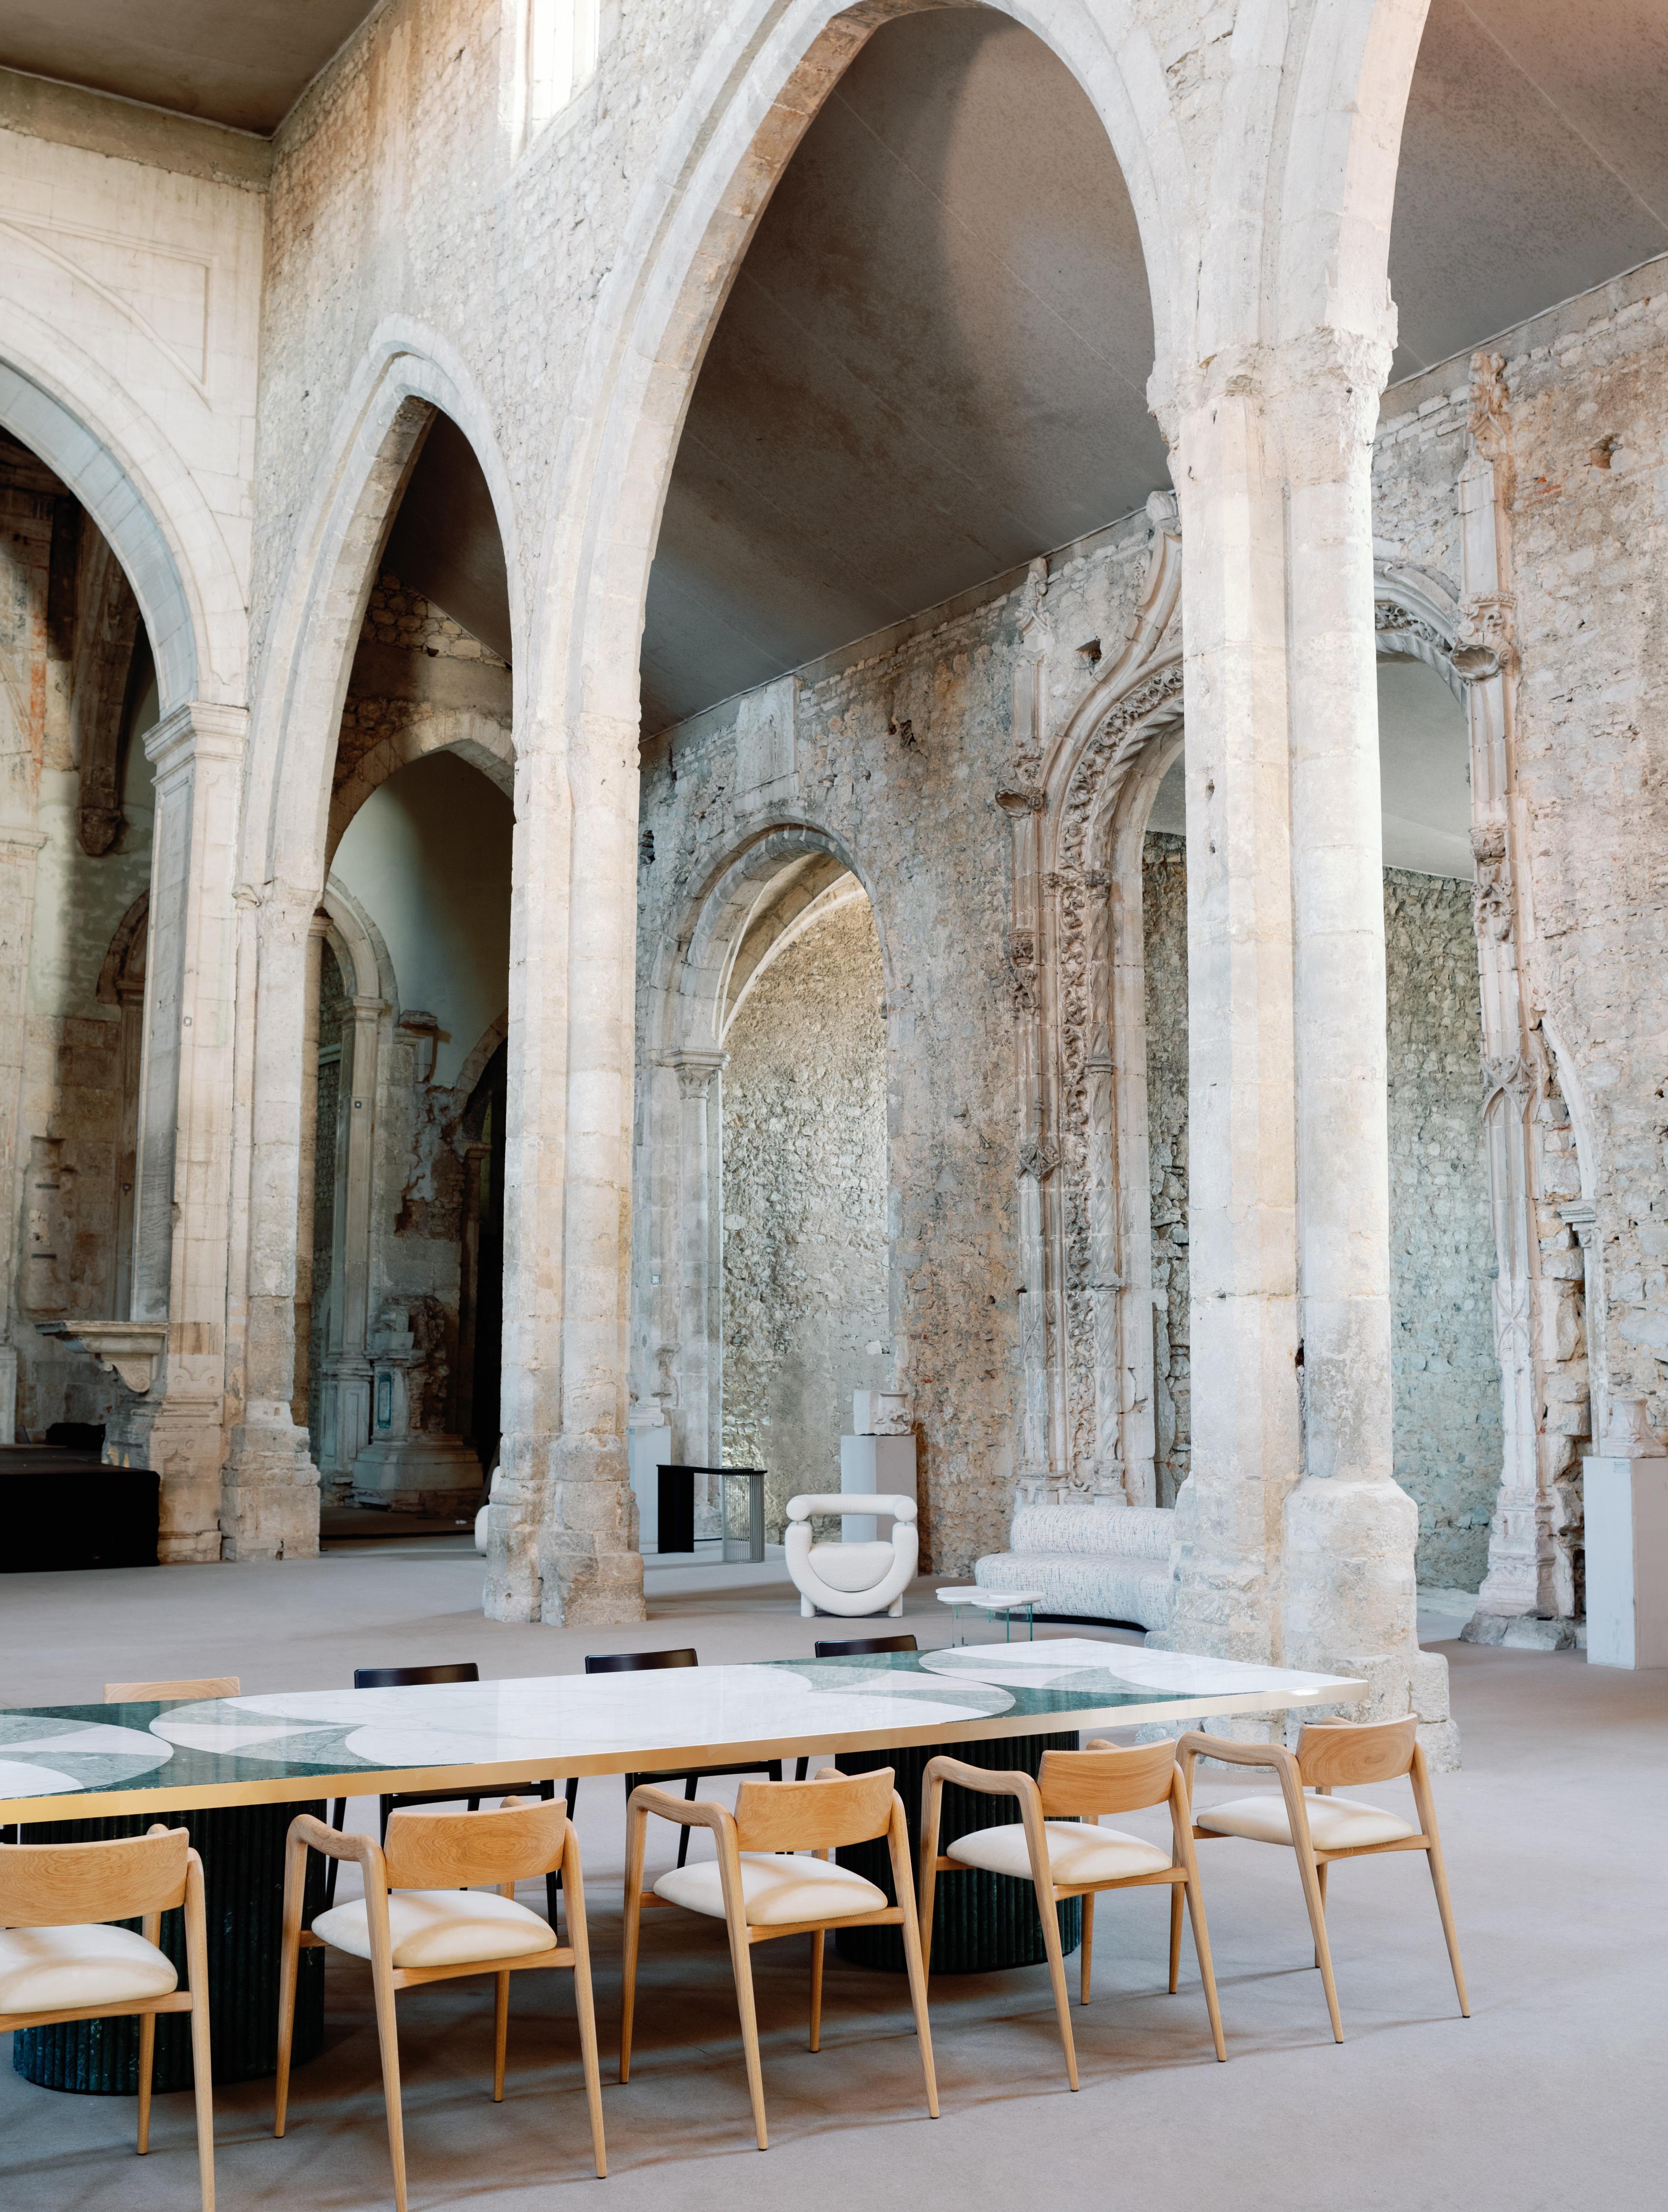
805, 1319
1163, 928
1448, 1395
1586, 455
898, 750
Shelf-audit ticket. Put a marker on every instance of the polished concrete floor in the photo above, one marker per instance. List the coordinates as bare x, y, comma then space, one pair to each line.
1548, 2097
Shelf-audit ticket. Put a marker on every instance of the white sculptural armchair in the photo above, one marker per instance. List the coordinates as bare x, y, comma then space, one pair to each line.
852, 1580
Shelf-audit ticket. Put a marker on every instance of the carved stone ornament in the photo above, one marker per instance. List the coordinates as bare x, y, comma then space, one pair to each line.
131, 1350
1021, 798
1629, 1435
1038, 1159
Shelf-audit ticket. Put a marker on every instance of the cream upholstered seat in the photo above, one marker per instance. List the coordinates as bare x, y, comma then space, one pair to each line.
779, 1889
851, 1580
851, 1567
1076, 1857
1316, 1827
72, 1969
1077, 1854
61, 1959
776, 1888
421, 1920
1336, 1824
440, 1927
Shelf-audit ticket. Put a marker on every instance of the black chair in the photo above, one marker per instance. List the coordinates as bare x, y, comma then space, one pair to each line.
632, 1662
396, 1678
853, 1648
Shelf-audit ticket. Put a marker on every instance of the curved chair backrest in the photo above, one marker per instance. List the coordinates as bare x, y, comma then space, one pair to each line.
1333, 1755
158, 1693
458, 1850
887, 1504
853, 1645
634, 1662
68, 1885
400, 1678
823, 1815
1108, 1777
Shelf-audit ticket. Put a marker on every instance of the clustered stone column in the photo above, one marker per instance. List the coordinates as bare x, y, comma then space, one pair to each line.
562, 1524
1298, 1544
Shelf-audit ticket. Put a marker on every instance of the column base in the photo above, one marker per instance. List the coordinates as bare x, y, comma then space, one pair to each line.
423, 1473
269, 1495
1523, 1632
180, 1436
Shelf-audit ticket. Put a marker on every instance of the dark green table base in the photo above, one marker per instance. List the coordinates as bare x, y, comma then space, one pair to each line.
981, 1921
241, 1849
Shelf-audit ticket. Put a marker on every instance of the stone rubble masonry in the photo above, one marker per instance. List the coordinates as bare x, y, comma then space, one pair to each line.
805, 1319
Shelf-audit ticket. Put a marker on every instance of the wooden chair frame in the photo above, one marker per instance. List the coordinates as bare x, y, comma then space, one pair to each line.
161, 1693
72, 1884
1104, 1778
1337, 1754
435, 1868
780, 1816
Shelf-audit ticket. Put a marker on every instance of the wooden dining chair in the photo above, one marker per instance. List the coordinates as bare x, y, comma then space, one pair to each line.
61, 1961
1321, 1828
160, 1693
1058, 1845
399, 1678
632, 1662
763, 1885
853, 1647
423, 1919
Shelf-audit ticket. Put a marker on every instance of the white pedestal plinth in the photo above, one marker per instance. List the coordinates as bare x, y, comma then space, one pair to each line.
872, 1464
650, 1450
1624, 1504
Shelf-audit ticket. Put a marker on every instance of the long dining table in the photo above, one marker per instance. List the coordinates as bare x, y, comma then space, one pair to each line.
236, 1770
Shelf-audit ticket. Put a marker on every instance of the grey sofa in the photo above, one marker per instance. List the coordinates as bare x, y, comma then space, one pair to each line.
1090, 1562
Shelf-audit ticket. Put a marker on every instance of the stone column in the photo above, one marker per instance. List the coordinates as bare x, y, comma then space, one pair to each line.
562, 1521
271, 1502
18, 849
308, 1174
700, 1246
360, 1076
182, 1211
1298, 1543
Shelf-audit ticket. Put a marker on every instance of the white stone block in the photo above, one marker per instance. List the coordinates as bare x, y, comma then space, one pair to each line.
874, 1463
1625, 1502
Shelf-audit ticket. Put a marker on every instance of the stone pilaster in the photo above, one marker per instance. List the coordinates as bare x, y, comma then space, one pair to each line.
19, 847
270, 1506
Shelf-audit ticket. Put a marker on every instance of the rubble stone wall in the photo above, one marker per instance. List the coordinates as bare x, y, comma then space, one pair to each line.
805, 1319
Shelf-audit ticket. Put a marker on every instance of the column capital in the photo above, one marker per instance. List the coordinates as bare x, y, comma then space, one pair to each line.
196, 729
694, 1069
1319, 391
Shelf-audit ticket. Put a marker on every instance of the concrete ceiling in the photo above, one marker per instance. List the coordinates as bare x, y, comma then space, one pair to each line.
239, 61
933, 364
1424, 776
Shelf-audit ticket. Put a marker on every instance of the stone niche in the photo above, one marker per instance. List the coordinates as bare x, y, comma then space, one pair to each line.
413, 1463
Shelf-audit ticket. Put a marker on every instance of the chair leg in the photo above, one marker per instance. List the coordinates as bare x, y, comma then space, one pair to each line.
197, 1974
742, 1963
387, 1805
147, 2068
1056, 1970
1086, 1955
1175, 1935
804, 1767
817, 1939
500, 2035
570, 1791
387, 2036
338, 1821
1320, 1879
1310, 1876
898, 1845
637, 1833
692, 1783
584, 2004
1195, 1907
553, 1884
1439, 1883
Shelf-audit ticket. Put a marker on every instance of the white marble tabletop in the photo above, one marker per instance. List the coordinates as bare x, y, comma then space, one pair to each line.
299, 1746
